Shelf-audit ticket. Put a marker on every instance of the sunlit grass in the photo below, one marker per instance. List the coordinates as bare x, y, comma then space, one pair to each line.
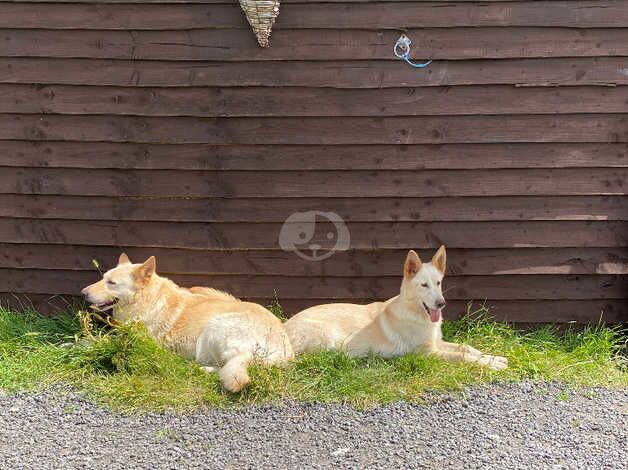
127, 370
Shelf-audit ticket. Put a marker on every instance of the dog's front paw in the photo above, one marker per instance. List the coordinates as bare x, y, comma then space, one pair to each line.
494, 362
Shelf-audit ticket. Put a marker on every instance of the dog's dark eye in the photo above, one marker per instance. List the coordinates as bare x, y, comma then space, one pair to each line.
438, 283
111, 283
424, 284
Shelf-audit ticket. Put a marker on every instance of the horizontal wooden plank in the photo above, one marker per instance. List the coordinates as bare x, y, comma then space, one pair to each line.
120, 16
271, 101
402, 209
226, 236
318, 130
311, 157
283, 1
406, 183
359, 263
515, 311
601, 71
519, 311
504, 287
315, 44
390, 15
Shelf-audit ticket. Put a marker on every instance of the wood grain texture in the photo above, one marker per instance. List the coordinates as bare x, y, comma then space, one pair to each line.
368, 184
282, 102
159, 127
516, 311
398, 209
283, 1
390, 15
354, 263
315, 130
504, 287
316, 44
602, 71
364, 235
311, 157
520, 311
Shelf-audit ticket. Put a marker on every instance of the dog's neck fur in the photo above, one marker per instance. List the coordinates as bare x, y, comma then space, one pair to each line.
408, 302
152, 306
405, 322
400, 326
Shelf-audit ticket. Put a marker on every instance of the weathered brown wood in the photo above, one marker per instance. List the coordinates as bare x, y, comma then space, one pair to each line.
518, 311
348, 74
269, 101
505, 287
318, 130
283, 1
196, 145
311, 157
227, 236
432, 183
580, 311
521, 311
354, 263
120, 16
402, 209
581, 14
317, 44
43, 304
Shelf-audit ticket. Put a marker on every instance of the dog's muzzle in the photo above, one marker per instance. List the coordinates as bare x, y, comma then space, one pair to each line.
435, 314
104, 307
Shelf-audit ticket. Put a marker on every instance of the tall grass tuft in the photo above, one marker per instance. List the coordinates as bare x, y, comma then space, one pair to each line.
124, 368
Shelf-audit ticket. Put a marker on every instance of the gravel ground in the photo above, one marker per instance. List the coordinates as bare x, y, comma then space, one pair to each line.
498, 426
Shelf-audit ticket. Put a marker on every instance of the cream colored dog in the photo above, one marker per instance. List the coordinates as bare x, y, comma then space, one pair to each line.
207, 325
408, 322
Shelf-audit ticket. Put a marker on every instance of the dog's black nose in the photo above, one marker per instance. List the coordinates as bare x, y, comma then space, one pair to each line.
440, 304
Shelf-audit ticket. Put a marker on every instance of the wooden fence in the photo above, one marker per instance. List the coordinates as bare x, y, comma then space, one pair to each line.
162, 128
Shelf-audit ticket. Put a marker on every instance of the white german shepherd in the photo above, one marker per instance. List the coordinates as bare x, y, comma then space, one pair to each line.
406, 323
207, 325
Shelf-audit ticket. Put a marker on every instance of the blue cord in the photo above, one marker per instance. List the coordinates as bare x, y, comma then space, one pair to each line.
404, 56
401, 49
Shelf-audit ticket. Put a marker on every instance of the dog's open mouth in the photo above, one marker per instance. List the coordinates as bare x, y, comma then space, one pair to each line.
434, 313
104, 306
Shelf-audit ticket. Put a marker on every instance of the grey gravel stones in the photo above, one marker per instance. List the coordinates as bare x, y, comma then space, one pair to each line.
518, 426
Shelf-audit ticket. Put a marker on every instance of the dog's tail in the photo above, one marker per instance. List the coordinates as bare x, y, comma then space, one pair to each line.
234, 374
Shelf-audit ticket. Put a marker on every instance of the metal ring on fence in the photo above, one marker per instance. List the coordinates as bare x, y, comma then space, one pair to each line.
401, 50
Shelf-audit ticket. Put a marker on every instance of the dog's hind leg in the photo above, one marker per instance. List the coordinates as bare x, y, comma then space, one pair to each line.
234, 374
209, 369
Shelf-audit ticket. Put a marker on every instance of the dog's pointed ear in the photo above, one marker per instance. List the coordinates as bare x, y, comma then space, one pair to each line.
440, 259
412, 264
124, 259
147, 269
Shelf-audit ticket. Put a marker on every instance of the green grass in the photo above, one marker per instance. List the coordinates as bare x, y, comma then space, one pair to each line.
126, 370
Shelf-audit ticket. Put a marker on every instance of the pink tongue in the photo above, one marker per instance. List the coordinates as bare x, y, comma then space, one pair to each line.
434, 315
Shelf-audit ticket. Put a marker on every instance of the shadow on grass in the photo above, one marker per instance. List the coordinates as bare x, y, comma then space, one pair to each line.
127, 370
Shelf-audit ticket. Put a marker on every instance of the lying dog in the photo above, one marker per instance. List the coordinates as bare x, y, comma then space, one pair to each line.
408, 322
207, 325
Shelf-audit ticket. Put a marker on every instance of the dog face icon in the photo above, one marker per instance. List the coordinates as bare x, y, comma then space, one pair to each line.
314, 235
